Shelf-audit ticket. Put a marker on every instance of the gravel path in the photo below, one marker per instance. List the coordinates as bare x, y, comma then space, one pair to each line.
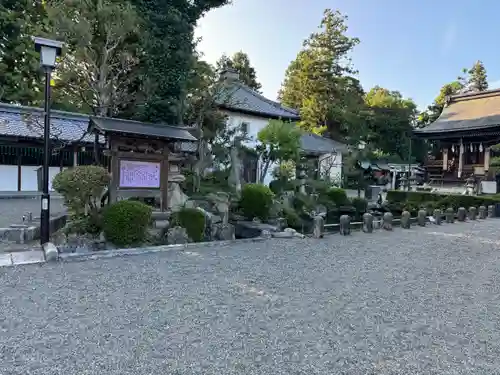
421, 301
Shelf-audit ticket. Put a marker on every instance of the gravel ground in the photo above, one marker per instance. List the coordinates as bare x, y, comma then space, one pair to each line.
420, 301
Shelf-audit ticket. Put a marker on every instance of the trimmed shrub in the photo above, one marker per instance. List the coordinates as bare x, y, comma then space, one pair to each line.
293, 219
337, 196
125, 223
193, 220
256, 201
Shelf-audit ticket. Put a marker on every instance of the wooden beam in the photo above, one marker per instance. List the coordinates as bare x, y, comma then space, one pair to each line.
19, 168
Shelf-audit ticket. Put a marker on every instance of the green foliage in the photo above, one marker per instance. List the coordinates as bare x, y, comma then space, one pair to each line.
125, 223
240, 62
20, 79
193, 220
82, 187
293, 219
279, 142
256, 201
320, 82
338, 196
478, 79
359, 204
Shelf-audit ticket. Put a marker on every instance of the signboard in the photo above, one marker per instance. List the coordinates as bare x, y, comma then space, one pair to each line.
139, 174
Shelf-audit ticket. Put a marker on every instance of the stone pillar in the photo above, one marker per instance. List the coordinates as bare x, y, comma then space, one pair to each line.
482, 212
319, 227
422, 218
461, 159
405, 220
461, 214
491, 211
387, 221
445, 159
450, 215
486, 159
75, 158
367, 223
345, 225
472, 213
437, 216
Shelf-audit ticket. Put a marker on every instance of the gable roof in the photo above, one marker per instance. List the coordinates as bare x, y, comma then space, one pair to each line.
28, 122
238, 97
315, 144
467, 112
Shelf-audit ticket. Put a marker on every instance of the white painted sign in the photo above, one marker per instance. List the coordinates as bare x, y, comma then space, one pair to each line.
139, 174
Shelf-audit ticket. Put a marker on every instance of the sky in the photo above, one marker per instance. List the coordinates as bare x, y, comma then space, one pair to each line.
413, 46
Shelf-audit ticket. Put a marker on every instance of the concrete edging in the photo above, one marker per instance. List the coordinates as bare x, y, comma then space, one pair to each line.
69, 257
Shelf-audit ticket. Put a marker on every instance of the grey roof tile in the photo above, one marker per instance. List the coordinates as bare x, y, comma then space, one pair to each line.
28, 122
312, 143
238, 97
140, 128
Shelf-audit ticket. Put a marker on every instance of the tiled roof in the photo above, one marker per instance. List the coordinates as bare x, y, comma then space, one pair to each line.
465, 112
312, 143
240, 98
19, 121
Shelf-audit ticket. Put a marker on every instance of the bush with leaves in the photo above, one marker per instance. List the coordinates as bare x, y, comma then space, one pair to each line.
193, 220
125, 223
256, 201
82, 188
338, 196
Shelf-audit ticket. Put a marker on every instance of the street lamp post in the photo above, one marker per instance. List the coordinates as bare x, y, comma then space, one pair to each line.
49, 50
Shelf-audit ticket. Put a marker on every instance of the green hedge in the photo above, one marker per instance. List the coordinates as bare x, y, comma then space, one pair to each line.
256, 201
193, 220
125, 223
413, 200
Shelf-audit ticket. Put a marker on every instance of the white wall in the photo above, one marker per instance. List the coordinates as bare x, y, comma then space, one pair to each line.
8, 178
255, 124
331, 164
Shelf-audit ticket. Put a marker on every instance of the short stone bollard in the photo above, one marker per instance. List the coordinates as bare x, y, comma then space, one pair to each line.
482, 212
319, 227
472, 213
422, 218
345, 225
367, 223
461, 214
405, 220
491, 211
450, 215
387, 220
437, 215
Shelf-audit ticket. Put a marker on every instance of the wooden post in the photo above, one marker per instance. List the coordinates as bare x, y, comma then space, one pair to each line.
61, 160
75, 157
445, 159
115, 174
165, 169
461, 159
19, 168
486, 159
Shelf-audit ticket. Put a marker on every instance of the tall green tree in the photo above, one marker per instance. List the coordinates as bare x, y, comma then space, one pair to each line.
240, 62
169, 43
102, 55
477, 77
434, 110
20, 79
320, 82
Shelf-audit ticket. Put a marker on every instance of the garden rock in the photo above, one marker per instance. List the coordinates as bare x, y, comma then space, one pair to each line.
387, 221
437, 215
177, 236
422, 218
482, 212
405, 220
250, 229
319, 227
491, 211
266, 234
472, 213
295, 233
345, 225
450, 215
223, 232
367, 223
461, 214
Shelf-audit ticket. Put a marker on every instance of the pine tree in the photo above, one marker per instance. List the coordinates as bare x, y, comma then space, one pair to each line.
477, 80
20, 79
241, 63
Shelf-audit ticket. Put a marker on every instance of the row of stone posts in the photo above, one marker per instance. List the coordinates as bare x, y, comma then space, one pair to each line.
387, 222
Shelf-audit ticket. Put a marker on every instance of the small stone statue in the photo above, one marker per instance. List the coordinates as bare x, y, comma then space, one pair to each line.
319, 227
450, 215
367, 223
472, 213
437, 216
345, 225
461, 214
387, 221
482, 212
491, 211
422, 217
405, 220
